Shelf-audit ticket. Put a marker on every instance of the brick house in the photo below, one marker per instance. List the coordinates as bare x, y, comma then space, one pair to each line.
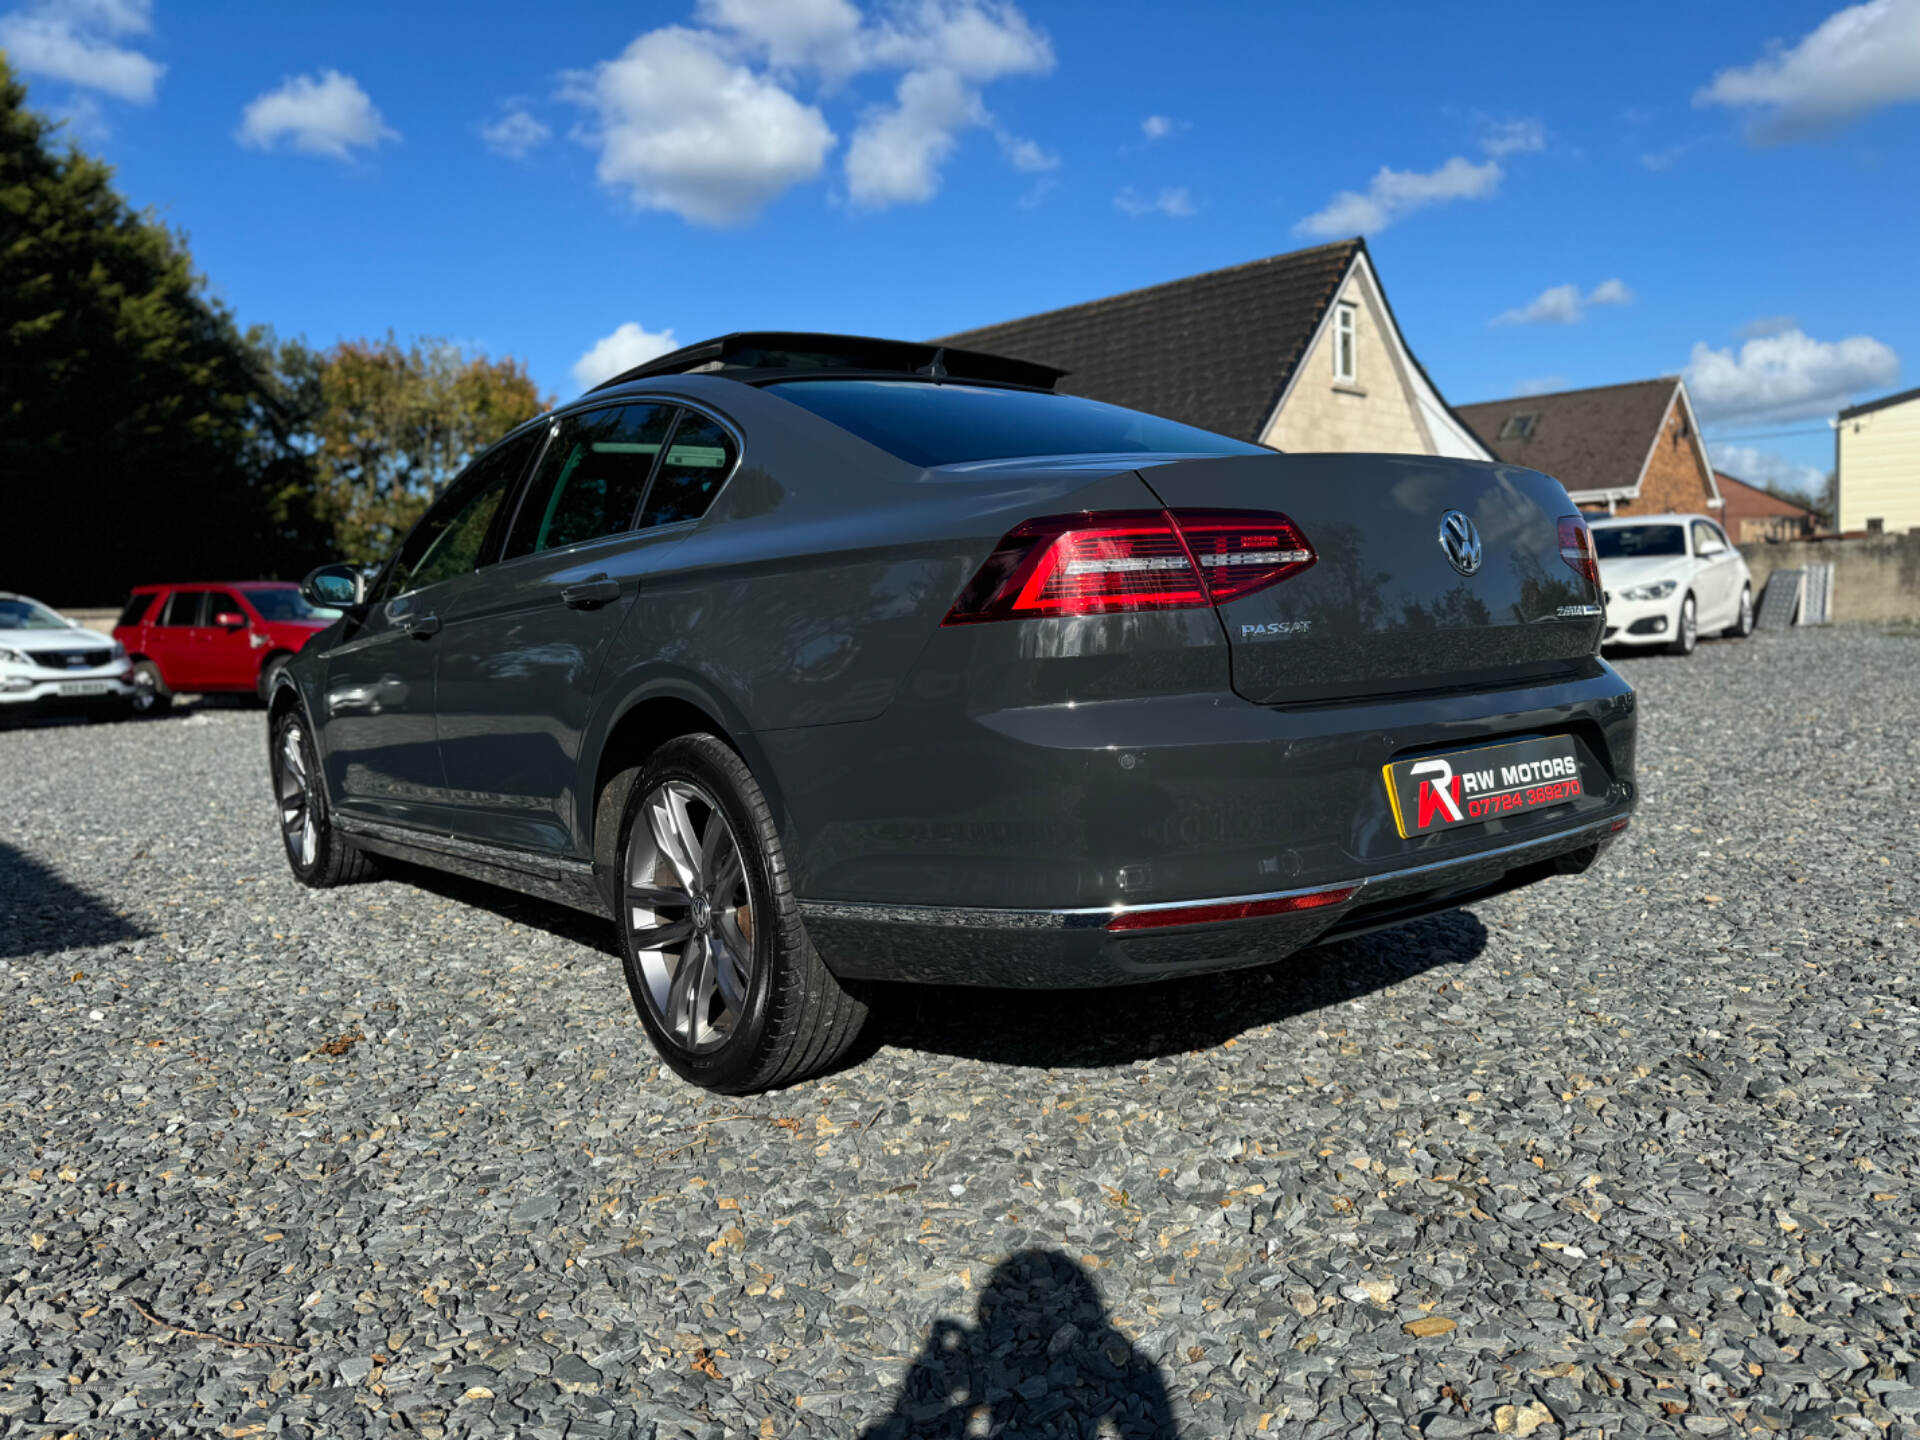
1631, 449
1298, 351
1755, 514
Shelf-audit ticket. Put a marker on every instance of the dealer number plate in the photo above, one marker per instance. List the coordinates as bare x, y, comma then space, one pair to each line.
84, 687
1438, 792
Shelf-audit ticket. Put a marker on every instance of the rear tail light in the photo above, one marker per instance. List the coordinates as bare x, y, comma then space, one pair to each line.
1100, 562
1154, 919
1576, 548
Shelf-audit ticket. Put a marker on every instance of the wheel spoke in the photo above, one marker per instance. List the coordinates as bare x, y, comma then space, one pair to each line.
655, 896
726, 879
673, 832
690, 996
657, 937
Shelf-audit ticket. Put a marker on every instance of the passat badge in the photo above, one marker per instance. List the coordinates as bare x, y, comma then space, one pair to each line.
1461, 540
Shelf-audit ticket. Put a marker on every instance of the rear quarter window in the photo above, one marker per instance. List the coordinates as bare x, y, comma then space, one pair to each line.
135, 612
929, 424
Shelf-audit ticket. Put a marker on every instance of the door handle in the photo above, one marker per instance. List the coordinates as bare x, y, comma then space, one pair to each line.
422, 626
595, 590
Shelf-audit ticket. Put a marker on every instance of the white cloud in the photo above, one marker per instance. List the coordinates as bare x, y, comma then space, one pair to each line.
1787, 376
516, 134
1541, 385
74, 41
1857, 60
626, 347
1159, 127
949, 50
708, 123
1514, 137
1175, 202
330, 115
683, 128
1396, 193
1565, 305
1767, 469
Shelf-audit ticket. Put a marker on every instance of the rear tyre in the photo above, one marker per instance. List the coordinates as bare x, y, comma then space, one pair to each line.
1686, 633
270, 672
727, 984
1743, 622
318, 855
150, 693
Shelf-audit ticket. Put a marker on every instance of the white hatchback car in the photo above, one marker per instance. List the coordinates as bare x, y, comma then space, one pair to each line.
48, 662
1668, 578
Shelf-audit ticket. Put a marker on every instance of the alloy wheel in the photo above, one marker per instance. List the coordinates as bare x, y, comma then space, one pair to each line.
145, 693
1746, 612
299, 822
689, 915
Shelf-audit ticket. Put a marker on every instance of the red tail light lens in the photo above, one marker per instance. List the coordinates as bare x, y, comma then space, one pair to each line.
1576, 547
1231, 910
1100, 562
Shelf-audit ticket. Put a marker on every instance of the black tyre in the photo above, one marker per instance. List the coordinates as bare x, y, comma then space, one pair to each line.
150, 693
317, 854
1743, 622
725, 979
270, 672
1687, 633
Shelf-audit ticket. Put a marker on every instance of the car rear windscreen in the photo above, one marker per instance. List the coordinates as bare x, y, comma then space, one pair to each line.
1623, 542
930, 424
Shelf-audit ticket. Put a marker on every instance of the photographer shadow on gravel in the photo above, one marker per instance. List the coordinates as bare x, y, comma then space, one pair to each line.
41, 914
1040, 1359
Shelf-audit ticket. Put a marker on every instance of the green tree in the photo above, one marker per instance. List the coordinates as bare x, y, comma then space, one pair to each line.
142, 435
391, 424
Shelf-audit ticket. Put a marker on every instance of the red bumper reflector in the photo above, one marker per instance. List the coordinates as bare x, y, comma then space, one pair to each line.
1231, 910
1620, 825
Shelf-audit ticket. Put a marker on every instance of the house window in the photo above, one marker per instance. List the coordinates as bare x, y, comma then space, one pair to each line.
1346, 360
1518, 427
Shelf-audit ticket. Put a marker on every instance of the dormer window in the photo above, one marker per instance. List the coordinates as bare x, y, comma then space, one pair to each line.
1346, 346
1518, 427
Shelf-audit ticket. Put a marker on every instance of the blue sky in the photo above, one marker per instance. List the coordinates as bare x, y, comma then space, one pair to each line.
1555, 196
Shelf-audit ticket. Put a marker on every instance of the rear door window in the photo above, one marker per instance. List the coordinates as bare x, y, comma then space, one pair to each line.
591, 479
183, 608
699, 458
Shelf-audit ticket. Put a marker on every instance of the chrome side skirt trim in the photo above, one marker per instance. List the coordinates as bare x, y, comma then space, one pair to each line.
1096, 916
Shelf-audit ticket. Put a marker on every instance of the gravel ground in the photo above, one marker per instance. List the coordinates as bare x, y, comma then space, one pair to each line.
1630, 1152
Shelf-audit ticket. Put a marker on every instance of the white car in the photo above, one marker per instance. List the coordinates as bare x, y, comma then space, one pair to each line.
1668, 578
49, 662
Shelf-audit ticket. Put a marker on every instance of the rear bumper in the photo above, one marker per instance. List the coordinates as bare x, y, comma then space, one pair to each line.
1063, 949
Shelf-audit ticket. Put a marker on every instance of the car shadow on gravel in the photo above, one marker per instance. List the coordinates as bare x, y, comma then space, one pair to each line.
548, 915
41, 914
1045, 1028
1042, 1357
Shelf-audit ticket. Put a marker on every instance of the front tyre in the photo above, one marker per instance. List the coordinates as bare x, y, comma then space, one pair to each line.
729, 987
1686, 634
316, 853
1743, 622
150, 693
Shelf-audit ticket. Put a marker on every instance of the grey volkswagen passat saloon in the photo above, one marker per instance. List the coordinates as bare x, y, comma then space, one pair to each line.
817, 661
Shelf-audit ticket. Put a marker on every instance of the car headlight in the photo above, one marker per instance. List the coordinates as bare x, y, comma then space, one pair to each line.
1658, 590
119, 651
12, 657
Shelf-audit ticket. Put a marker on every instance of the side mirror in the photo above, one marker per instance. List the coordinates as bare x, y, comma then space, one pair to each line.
335, 587
230, 620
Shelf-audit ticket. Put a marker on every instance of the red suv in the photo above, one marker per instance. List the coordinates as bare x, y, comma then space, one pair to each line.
213, 638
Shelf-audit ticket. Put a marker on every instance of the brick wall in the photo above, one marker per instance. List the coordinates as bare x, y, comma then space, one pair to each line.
1677, 479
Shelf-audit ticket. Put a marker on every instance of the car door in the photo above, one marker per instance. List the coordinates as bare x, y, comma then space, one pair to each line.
1714, 577
617, 487
382, 758
173, 638
225, 653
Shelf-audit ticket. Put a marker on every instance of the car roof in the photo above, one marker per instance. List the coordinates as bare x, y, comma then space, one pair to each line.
1671, 517
757, 357
216, 585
